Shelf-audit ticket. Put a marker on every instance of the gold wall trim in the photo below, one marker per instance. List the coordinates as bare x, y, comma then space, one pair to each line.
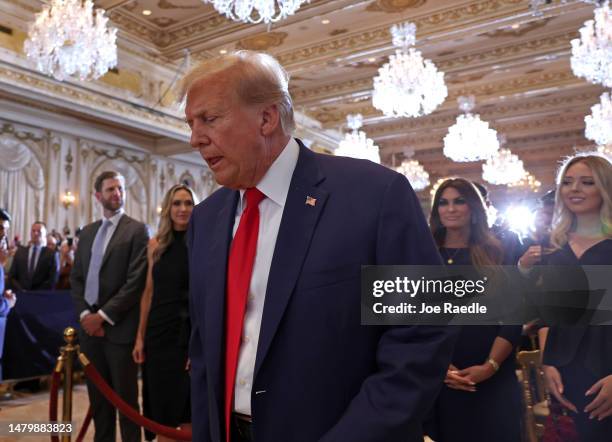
69, 96
9, 129
577, 101
482, 92
427, 25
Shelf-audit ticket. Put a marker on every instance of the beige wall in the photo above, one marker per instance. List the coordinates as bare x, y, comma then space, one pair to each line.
71, 162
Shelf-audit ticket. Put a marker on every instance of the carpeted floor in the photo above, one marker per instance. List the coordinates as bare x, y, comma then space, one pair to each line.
35, 407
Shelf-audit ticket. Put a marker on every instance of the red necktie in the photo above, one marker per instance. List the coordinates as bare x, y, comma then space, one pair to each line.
239, 271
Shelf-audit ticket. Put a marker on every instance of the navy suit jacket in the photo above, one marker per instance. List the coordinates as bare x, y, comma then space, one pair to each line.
45, 274
319, 374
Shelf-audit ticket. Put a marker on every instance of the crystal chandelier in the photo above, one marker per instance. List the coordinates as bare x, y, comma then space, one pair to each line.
355, 143
503, 168
408, 85
528, 181
592, 52
605, 151
416, 174
599, 123
70, 39
256, 11
470, 138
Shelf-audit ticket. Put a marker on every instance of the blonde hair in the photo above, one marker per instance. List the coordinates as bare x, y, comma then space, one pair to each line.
563, 219
257, 78
165, 234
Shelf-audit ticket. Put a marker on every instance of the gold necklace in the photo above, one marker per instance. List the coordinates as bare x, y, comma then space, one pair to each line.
450, 258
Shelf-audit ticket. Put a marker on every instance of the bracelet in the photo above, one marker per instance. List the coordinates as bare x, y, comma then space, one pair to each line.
493, 363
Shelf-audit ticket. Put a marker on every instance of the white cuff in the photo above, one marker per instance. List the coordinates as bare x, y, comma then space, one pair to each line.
84, 313
105, 317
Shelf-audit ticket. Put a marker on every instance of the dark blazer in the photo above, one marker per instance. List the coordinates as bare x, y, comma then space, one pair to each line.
45, 275
319, 374
122, 276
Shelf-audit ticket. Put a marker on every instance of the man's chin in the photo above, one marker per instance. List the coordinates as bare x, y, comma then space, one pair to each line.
114, 207
225, 181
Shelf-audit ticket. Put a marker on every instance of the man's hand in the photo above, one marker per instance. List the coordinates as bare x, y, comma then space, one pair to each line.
600, 407
92, 324
554, 385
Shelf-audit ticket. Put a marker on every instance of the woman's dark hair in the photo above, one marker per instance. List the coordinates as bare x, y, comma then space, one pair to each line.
485, 249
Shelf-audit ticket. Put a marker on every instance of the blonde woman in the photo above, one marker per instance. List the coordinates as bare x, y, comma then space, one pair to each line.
163, 331
578, 360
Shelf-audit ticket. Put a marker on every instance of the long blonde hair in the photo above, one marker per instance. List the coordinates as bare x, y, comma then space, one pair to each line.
563, 219
165, 234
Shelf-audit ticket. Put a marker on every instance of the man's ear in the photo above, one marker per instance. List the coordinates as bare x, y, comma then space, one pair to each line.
270, 120
98, 196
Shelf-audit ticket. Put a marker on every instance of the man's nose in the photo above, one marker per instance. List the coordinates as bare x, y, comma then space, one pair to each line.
198, 136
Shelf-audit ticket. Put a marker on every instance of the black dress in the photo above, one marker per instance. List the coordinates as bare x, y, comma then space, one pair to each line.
582, 354
167, 338
493, 412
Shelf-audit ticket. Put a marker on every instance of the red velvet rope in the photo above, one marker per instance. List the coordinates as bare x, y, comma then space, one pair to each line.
55, 380
85, 425
129, 412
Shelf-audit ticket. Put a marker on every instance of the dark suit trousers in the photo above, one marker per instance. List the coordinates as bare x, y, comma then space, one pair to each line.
116, 366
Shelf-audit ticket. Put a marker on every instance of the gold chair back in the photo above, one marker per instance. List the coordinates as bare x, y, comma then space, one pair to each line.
534, 393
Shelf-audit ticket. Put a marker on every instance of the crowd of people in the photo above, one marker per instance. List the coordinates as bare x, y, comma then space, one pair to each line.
244, 310
42, 263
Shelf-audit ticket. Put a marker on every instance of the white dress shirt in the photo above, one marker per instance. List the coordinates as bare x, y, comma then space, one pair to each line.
109, 234
275, 185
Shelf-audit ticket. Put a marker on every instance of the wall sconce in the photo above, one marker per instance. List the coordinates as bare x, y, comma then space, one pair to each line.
159, 210
68, 199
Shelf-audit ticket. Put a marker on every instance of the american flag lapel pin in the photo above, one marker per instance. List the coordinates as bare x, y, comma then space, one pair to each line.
310, 201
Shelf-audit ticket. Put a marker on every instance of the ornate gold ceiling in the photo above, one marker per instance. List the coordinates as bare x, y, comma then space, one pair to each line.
515, 63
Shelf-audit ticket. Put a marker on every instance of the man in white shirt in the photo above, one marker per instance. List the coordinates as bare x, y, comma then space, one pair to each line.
107, 280
35, 267
278, 353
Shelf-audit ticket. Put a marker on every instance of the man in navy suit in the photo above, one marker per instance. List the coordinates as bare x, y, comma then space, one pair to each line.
277, 350
35, 267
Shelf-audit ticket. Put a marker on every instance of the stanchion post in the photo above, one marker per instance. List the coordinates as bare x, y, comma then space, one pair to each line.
68, 351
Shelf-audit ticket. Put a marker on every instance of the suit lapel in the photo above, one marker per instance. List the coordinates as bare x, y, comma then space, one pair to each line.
41, 257
215, 276
304, 205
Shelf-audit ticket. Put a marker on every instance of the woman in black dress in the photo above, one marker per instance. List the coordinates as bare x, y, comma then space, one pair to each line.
578, 359
163, 331
480, 401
